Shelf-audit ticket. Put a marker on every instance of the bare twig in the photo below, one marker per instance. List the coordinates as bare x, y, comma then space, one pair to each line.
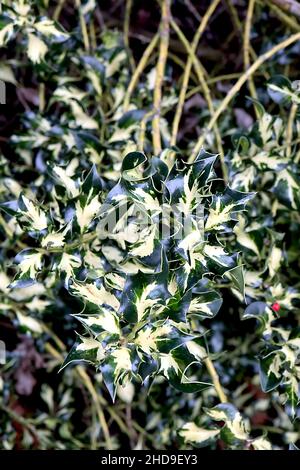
128, 8
212, 80
58, 10
290, 6
215, 378
188, 67
206, 91
19, 419
93, 34
139, 70
142, 132
90, 387
42, 102
246, 48
289, 21
239, 29
289, 130
237, 86
193, 9
181, 63
160, 70
84, 32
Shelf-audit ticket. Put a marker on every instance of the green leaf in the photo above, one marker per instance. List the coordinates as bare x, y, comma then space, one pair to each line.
236, 276
270, 371
92, 182
263, 314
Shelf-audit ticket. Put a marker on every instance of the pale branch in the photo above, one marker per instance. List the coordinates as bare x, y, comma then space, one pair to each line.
160, 72
290, 6
246, 48
188, 67
237, 86
215, 378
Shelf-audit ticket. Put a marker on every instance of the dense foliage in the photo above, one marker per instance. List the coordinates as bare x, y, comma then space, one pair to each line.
150, 227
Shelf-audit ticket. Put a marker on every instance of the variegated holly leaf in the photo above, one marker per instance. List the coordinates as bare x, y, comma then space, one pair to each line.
18, 18
86, 349
31, 214
92, 182
287, 188
30, 263
183, 370
7, 30
198, 437
247, 237
67, 265
224, 209
63, 177
133, 167
205, 301
271, 370
185, 180
143, 293
177, 306
261, 443
263, 313
236, 276
105, 323
88, 204
163, 338
235, 430
116, 368
86, 209
279, 365
216, 259
96, 294
153, 220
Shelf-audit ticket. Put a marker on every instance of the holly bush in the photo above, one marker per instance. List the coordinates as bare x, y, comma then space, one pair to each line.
149, 217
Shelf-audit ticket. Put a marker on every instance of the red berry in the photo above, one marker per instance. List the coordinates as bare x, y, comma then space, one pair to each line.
276, 307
